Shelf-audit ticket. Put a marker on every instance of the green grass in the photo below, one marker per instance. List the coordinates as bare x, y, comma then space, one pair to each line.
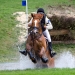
34, 4
8, 35
60, 48
40, 72
8, 32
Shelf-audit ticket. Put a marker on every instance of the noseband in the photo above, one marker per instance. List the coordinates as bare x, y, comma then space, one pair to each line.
35, 29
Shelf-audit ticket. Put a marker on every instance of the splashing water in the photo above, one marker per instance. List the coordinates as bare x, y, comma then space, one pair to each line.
23, 63
65, 60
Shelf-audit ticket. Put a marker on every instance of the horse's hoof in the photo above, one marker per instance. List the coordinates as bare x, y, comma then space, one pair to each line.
45, 60
34, 60
31, 55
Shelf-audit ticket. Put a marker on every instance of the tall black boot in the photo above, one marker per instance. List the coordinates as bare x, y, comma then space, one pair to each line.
24, 52
52, 53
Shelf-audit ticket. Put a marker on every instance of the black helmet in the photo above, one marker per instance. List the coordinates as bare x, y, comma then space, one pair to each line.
40, 10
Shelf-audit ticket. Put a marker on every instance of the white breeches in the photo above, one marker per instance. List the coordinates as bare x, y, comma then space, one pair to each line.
47, 34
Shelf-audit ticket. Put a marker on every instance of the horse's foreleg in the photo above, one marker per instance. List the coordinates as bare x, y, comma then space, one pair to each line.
30, 53
28, 47
46, 58
43, 56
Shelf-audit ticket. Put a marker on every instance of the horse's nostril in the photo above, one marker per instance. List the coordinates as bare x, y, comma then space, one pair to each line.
35, 31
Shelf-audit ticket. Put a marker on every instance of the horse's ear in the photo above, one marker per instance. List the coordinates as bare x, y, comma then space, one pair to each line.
32, 14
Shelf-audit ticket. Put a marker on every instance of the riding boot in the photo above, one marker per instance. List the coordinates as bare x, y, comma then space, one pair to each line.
24, 52
52, 53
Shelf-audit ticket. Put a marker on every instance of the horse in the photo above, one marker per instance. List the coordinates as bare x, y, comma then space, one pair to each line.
37, 43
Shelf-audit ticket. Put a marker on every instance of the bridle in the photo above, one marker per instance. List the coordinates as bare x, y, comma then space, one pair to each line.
35, 30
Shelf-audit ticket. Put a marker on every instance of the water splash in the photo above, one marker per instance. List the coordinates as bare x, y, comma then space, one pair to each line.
65, 60
23, 63
26, 63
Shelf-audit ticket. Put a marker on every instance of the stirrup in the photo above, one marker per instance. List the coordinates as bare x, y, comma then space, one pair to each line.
24, 52
53, 53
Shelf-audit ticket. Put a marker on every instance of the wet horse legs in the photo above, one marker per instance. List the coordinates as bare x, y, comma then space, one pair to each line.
43, 56
30, 53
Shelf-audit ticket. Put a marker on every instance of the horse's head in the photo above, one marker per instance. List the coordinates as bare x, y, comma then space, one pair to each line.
36, 23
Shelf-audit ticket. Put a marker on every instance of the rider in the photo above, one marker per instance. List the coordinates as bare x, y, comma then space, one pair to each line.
45, 24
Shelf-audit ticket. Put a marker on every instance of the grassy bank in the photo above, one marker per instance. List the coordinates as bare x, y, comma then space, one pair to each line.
59, 48
8, 35
40, 72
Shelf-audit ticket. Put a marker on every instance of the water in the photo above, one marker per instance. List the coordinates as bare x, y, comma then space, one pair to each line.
23, 63
64, 60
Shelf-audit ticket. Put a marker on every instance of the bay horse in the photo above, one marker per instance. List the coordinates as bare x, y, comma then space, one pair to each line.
37, 43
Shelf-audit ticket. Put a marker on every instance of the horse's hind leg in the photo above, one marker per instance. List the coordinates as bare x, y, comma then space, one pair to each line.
51, 63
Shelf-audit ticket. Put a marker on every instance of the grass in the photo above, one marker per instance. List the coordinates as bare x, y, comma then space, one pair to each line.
60, 48
40, 72
34, 4
8, 34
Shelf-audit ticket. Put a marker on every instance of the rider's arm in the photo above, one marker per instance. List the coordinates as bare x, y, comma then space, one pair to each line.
48, 24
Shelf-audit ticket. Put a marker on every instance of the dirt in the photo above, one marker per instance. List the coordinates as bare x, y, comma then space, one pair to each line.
68, 11
63, 17
22, 25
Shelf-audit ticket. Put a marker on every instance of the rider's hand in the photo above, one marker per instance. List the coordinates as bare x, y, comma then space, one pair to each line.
44, 26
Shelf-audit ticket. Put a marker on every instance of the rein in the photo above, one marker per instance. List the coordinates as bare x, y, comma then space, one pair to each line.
33, 37
36, 32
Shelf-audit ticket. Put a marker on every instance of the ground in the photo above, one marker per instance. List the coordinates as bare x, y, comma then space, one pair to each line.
68, 11
63, 17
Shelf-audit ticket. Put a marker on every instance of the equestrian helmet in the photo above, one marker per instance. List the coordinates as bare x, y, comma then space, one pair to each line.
40, 10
